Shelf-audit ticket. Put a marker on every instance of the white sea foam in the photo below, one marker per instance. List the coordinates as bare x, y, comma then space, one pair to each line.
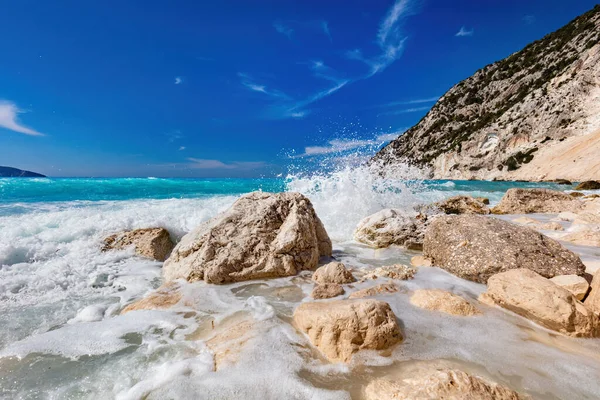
348, 194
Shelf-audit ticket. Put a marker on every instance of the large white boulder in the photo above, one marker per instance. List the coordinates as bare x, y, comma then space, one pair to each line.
263, 235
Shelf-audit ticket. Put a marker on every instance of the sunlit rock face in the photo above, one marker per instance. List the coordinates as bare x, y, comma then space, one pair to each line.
475, 248
263, 235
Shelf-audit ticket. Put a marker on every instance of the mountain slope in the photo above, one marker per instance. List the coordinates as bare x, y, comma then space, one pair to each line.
493, 123
9, 172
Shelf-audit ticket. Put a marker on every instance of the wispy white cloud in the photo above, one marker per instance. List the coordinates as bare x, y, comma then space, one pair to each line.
408, 102
529, 19
283, 29
404, 111
390, 45
178, 80
181, 148
389, 25
286, 106
390, 39
249, 83
9, 119
465, 32
325, 26
345, 145
201, 163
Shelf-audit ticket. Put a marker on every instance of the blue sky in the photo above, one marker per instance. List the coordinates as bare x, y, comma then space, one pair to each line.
231, 88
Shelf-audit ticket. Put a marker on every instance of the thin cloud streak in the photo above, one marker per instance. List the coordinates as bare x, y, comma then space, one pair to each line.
390, 40
201, 163
343, 145
408, 102
9, 119
178, 80
390, 43
250, 84
326, 31
464, 32
404, 111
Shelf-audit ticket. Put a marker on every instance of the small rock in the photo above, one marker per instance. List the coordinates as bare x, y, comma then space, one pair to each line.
327, 291
588, 185
562, 182
334, 272
576, 194
593, 300
484, 200
574, 284
439, 384
525, 221
164, 297
592, 266
588, 237
390, 227
420, 261
538, 299
526, 201
340, 328
440, 300
384, 288
462, 205
153, 243
475, 247
396, 271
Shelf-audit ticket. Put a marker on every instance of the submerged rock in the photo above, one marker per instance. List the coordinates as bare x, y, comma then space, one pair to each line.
440, 384
164, 297
475, 248
420, 261
577, 285
153, 243
341, 328
588, 185
540, 300
384, 288
585, 237
390, 227
440, 300
526, 201
334, 272
397, 271
562, 181
462, 205
263, 235
327, 291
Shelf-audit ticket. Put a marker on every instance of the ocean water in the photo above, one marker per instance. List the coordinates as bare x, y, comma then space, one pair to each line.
62, 335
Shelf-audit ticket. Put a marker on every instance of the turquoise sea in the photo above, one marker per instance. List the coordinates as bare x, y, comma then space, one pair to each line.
14, 190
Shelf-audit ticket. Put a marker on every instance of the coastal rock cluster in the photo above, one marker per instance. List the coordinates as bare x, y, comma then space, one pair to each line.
528, 116
277, 235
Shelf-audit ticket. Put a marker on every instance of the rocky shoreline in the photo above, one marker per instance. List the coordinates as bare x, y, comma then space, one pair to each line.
522, 261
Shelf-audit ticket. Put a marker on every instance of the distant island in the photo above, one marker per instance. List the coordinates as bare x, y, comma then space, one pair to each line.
9, 172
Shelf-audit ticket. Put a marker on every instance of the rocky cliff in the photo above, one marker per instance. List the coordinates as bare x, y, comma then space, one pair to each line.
495, 123
9, 172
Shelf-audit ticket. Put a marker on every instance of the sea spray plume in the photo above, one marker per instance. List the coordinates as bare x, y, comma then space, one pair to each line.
344, 189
